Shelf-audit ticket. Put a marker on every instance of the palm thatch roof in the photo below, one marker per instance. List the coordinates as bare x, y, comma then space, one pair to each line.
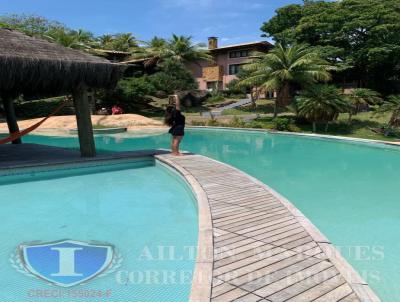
36, 67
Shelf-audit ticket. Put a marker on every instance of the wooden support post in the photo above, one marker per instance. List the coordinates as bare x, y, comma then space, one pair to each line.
12, 124
84, 122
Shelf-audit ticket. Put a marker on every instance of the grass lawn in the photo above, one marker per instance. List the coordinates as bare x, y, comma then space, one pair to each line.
98, 126
361, 126
263, 107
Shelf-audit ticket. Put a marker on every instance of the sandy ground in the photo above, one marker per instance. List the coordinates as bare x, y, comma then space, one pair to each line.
130, 121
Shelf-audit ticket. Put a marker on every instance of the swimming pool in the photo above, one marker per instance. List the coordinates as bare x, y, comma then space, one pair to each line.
144, 212
350, 191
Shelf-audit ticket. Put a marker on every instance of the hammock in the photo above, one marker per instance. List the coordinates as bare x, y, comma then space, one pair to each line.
19, 134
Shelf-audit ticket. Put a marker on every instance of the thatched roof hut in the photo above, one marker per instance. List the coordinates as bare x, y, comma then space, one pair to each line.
33, 66
36, 67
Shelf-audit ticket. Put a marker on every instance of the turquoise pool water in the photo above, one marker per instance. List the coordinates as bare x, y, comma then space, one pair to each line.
350, 191
140, 209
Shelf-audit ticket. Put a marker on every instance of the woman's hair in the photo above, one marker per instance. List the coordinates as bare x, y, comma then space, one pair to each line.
169, 115
172, 99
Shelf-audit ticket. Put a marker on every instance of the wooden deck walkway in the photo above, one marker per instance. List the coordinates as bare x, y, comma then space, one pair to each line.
264, 249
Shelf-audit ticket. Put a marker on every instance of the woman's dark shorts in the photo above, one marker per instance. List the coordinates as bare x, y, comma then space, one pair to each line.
178, 130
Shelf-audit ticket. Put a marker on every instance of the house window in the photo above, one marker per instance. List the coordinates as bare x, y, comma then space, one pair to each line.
234, 68
239, 54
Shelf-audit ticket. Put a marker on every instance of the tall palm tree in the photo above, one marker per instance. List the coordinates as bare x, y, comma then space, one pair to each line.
178, 48
361, 97
182, 49
105, 41
124, 42
321, 103
392, 104
284, 69
154, 50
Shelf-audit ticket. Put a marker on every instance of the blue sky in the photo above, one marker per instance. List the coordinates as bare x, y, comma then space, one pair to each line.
233, 21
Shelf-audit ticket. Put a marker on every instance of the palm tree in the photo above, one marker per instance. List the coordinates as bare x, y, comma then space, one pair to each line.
105, 41
124, 42
361, 97
392, 104
79, 39
283, 69
182, 49
321, 103
178, 48
155, 50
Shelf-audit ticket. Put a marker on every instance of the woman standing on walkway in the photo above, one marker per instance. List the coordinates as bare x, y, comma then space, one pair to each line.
176, 120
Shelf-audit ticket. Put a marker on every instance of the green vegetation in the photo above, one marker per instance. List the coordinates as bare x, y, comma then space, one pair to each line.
38, 108
285, 69
392, 106
362, 98
321, 104
365, 125
178, 48
352, 43
360, 37
216, 99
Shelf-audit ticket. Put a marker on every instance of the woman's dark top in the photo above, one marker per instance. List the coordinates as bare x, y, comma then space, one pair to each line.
178, 126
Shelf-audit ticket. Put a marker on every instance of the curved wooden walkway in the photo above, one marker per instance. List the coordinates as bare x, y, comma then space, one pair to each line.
264, 249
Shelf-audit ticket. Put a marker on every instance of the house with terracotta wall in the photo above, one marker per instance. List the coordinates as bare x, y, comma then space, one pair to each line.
227, 61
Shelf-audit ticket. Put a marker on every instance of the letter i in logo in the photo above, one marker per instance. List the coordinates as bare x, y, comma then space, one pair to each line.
66, 261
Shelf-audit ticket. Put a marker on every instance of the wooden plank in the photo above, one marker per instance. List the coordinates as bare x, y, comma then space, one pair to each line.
292, 278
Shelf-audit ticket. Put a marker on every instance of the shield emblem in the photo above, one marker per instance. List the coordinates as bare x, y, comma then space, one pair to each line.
66, 263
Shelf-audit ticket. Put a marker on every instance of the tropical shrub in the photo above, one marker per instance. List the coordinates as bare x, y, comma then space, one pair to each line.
216, 98
281, 124
392, 105
39, 108
362, 97
234, 90
321, 104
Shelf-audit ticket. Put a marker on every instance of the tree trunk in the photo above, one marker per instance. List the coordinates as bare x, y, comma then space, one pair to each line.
314, 127
276, 108
12, 123
350, 118
253, 99
84, 122
284, 95
326, 126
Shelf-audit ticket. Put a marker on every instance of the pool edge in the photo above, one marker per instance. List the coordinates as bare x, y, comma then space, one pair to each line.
202, 276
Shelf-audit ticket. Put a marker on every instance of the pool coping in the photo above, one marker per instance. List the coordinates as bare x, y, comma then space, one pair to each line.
202, 276
201, 291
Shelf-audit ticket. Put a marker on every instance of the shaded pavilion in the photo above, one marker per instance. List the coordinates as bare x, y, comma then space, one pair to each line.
36, 68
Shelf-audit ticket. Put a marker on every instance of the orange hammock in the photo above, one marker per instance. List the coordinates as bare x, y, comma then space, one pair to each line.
19, 134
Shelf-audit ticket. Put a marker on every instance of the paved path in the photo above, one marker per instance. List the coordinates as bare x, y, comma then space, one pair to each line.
218, 111
264, 248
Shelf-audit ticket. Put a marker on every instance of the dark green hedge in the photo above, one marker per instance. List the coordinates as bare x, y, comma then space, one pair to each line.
40, 108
